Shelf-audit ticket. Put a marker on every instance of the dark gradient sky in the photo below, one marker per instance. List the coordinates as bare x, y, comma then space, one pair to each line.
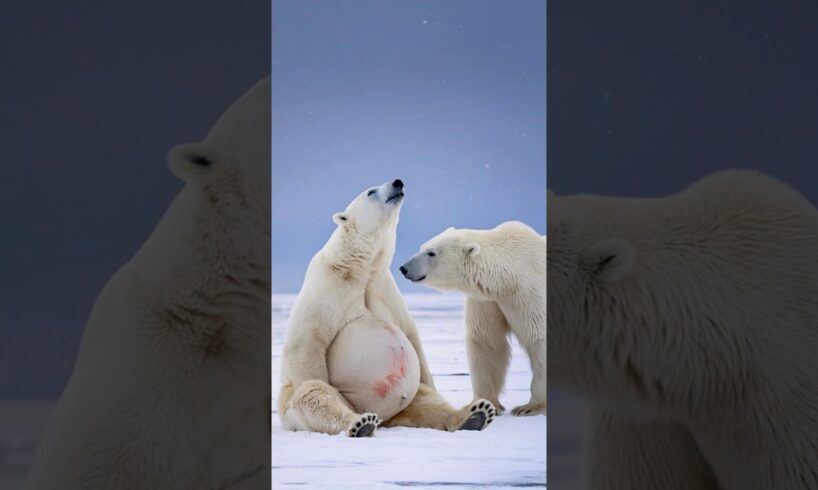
448, 95
93, 96
645, 97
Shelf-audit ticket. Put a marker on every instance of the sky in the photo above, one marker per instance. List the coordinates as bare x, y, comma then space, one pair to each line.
646, 97
448, 96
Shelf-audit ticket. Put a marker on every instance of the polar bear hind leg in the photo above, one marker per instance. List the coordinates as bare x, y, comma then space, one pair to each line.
318, 407
429, 410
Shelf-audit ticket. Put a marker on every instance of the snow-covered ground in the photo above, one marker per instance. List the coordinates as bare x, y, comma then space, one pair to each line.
510, 453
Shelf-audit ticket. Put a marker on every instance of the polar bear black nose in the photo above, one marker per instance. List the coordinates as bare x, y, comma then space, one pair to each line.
397, 184
403, 270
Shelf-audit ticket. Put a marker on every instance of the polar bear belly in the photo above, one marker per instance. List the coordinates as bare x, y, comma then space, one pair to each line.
373, 364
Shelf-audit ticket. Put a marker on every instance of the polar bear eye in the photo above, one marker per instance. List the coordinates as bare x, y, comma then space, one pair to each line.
200, 160
371, 192
431, 254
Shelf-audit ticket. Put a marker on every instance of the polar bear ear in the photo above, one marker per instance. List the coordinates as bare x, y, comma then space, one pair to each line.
190, 161
609, 260
340, 218
472, 249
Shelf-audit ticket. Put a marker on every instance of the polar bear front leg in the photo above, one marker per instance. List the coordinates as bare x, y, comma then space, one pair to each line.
487, 349
622, 453
318, 407
537, 404
430, 410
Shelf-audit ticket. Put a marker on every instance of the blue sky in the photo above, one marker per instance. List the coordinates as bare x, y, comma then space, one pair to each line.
448, 96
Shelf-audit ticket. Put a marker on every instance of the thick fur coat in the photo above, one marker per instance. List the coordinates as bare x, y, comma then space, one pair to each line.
691, 323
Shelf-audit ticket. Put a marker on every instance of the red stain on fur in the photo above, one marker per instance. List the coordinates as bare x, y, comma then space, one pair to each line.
398, 372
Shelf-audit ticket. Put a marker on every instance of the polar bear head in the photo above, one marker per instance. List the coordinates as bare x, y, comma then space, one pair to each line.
230, 167
372, 211
225, 201
369, 223
593, 291
590, 249
447, 261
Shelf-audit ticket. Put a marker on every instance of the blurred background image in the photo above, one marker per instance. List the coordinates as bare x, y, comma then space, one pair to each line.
645, 98
94, 95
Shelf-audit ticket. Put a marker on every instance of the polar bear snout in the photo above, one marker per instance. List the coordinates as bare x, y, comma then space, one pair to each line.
414, 269
396, 191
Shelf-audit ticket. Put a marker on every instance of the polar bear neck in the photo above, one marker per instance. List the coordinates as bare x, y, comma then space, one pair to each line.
501, 271
356, 258
204, 257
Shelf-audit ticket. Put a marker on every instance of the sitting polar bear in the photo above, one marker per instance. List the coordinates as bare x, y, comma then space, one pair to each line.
502, 271
691, 324
349, 293
171, 384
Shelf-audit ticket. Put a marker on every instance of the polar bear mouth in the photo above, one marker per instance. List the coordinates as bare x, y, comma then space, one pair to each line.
395, 196
419, 278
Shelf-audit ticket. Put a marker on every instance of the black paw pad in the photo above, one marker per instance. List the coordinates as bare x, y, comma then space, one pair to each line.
481, 415
364, 427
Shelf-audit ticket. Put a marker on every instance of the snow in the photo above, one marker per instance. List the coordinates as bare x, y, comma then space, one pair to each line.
510, 453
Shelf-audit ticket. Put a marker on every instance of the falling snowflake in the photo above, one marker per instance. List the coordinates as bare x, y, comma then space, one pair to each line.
425, 21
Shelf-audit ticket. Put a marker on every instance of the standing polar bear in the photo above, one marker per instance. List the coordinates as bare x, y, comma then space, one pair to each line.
348, 286
691, 324
171, 384
503, 273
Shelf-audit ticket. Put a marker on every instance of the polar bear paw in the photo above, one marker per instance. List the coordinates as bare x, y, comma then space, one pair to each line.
482, 413
499, 406
364, 426
529, 409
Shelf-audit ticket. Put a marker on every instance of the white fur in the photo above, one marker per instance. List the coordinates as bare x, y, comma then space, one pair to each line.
170, 385
503, 273
691, 323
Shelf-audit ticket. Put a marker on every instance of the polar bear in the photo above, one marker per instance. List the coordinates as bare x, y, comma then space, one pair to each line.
691, 324
171, 384
502, 271
348, 281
